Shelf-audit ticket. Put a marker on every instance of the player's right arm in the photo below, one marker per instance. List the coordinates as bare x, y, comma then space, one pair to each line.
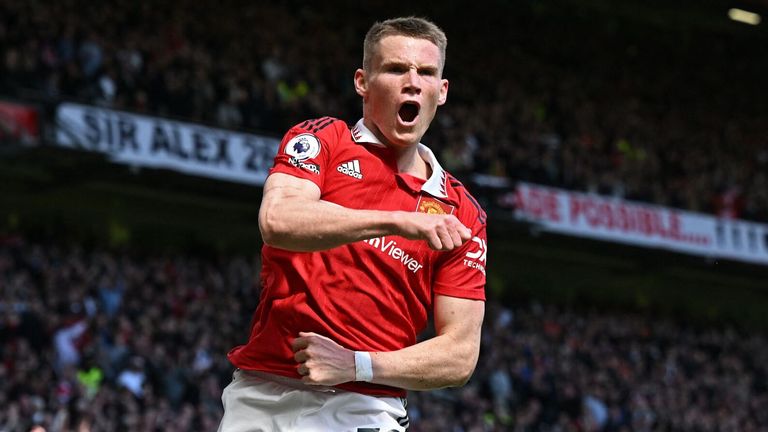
293, 217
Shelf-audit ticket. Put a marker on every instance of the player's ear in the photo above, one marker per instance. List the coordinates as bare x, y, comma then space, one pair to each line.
361, 83
443, 96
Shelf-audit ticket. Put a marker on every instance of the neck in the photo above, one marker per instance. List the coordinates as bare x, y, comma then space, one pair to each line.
409, 161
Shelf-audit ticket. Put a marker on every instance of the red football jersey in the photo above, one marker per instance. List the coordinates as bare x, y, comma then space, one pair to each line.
371, 295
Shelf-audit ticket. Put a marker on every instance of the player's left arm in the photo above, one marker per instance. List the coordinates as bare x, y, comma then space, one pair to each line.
446, 360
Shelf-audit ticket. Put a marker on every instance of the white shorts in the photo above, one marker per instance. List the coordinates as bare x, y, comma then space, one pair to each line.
259, 402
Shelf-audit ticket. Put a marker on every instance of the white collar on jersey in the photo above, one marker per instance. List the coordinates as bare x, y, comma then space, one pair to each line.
435, 184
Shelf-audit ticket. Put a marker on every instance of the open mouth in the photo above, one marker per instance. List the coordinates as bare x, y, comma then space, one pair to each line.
408, 112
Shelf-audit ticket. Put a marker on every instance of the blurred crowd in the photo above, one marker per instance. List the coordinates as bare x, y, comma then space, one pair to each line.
92, 340
648, 111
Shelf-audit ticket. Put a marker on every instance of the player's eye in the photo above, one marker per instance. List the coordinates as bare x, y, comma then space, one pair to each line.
397, 69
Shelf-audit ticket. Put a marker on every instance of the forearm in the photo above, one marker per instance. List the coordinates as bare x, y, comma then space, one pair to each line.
445, 360
434, 363
293, 217
311, 225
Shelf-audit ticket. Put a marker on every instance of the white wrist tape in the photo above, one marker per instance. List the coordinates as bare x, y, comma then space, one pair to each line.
363, 366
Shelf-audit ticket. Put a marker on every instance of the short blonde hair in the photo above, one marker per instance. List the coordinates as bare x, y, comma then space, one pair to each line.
406, 26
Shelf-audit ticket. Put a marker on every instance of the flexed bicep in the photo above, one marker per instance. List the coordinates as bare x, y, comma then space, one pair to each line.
283, 196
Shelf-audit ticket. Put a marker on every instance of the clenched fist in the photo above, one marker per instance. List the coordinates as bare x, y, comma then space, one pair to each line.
442, 232
322, 361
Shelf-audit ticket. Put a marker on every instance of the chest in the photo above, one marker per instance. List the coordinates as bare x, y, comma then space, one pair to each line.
357, 178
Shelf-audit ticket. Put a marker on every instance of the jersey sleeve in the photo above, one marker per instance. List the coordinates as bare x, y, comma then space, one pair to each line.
305, 150
461, 272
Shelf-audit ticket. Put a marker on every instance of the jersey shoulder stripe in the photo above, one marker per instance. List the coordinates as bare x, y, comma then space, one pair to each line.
481, 216
459, 188
316, 125
322, 124
453, 181
309, 124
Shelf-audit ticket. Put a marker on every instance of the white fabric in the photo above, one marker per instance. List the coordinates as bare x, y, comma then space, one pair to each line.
363, 366
255, 404
435, 184
133, 381
64, 341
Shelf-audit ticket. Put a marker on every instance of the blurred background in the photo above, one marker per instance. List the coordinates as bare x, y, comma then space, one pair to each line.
620, 149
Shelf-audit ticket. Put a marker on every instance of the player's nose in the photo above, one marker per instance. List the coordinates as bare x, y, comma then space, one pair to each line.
412, 83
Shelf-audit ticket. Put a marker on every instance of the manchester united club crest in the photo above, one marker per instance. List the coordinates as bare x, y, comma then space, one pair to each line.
430, 205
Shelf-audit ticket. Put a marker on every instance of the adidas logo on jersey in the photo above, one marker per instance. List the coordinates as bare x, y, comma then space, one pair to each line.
351, 168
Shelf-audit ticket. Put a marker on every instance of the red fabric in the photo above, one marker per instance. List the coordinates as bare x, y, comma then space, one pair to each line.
371, 295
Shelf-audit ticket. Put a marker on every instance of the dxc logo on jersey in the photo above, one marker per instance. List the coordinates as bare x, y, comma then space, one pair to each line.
478, 256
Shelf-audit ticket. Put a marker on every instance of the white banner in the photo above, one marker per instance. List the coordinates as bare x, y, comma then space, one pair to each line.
618, 220
160, 143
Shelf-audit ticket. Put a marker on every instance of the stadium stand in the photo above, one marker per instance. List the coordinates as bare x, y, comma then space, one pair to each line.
96, 340
595, 106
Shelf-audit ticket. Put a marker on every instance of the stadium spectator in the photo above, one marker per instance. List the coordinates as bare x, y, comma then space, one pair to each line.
649, 373
638, 105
